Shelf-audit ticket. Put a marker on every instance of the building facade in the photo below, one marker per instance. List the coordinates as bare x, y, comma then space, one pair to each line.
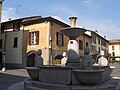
114, 49
98, 43
21, 38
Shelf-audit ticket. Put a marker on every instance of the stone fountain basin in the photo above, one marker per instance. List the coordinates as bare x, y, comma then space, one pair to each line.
88, 77
33, 72
107, 72
72, 32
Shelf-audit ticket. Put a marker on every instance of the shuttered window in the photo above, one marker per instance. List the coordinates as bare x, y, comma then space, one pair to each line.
59, 40
80, 44
34, 38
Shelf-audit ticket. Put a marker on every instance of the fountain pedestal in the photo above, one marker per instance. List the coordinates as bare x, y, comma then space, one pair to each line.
73, 54
73, 45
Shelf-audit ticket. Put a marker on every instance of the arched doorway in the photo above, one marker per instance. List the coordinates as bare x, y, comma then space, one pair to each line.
57, 59
31, 59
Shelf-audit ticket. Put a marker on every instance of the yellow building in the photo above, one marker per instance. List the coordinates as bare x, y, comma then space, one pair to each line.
50, 40
98, 42
21, 38
114, 49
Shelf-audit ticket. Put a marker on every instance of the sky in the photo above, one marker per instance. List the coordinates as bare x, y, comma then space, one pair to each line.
100, 15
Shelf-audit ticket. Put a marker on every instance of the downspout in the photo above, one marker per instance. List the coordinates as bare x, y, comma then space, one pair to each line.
23, 61
50, 43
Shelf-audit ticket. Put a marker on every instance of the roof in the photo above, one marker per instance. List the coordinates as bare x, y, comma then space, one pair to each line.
114, 41
21, 19
98, 35
36, 19
29, 22
87, 35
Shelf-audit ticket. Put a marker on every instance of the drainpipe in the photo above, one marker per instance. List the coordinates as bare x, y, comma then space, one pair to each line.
23, 53
50, 43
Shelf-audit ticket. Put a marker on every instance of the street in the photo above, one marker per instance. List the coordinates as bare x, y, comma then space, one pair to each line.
11, 77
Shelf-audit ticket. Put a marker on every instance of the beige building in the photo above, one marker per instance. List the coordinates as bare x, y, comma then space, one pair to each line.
21, 38
114, 49
98, 43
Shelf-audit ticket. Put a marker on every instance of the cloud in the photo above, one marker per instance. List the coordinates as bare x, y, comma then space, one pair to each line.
60, 19
8, 13
105, 28
109, 29
87, 1
65, 10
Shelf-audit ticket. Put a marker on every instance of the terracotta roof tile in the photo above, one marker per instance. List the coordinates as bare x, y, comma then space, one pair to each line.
114, 41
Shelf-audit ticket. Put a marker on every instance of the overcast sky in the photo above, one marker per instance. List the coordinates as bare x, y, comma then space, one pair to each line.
103, 15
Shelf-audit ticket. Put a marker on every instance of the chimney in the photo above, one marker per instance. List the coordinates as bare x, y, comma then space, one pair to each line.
73, 21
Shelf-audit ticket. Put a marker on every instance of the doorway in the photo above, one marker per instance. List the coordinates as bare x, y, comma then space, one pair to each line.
31, 60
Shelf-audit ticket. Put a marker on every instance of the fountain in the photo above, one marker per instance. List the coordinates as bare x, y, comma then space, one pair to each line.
73, 76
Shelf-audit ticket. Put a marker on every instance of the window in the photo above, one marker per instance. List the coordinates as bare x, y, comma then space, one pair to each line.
103, 42
87, 44
15, 42
98, 40
60, 41
94, 49
34, 38
113, 48
16, 26
80, 44
99, 50
94, 39
1, 43
113, 54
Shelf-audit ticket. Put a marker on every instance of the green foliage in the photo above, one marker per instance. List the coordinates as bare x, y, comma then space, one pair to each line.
57, 61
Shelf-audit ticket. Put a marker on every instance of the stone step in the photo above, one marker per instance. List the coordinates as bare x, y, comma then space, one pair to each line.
35, 88
51, 85
95, 87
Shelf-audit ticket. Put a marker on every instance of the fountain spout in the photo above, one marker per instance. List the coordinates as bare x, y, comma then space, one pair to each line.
73, 21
